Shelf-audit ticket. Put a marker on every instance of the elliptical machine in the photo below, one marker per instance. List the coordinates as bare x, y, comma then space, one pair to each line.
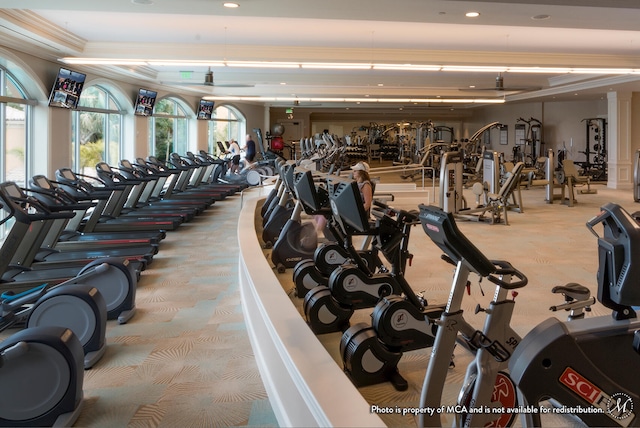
41, 378
79, 307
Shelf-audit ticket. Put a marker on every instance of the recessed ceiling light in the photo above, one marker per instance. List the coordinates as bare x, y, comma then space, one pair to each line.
230, 5
283, 83
142, 1
541, 17
472, 14
380, 84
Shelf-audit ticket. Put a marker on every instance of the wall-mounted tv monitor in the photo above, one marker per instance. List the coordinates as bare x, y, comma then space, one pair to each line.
205, 109
144, 102
66, 89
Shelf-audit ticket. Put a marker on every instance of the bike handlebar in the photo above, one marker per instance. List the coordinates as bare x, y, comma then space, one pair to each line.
505, 268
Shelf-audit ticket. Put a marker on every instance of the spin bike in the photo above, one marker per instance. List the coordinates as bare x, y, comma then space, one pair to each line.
488, 390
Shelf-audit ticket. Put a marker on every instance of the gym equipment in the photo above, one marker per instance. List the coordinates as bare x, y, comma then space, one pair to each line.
636, 177
400, 323
116, 281
355, 286
530, 139
507, 197
41, 378
39, 247
298, 241
76, 306
80, 187
281, 213
595, 164
590, 363
573, 178
538, 364
493, 344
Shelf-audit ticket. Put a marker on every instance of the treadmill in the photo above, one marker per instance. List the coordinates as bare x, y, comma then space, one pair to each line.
31, 252
107, 197
18, 218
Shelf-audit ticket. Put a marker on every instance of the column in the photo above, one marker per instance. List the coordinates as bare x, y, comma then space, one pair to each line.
619, 153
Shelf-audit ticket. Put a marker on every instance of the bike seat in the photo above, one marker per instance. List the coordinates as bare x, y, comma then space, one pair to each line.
572, 290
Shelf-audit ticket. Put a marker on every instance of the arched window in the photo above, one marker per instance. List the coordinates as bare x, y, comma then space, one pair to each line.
15, 123
169, 129
227, 123
97, 130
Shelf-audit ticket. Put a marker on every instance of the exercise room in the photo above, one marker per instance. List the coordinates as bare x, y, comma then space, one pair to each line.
331, 214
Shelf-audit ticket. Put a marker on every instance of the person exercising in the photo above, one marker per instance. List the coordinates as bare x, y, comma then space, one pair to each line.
361, 176
234, 151
249, 149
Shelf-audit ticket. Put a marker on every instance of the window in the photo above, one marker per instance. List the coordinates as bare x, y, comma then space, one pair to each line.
227, 123
15, 122
15, 111
97, 130
169, 129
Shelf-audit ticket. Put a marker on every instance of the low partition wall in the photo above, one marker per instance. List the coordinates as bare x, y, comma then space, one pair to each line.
305, 385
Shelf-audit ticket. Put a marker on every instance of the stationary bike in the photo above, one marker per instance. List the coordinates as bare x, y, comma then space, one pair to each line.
355, 286
400, 323
297, 240
316, 269
312, 272
41, 378
489, 390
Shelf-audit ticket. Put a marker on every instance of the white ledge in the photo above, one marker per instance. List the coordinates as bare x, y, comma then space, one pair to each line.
305, 385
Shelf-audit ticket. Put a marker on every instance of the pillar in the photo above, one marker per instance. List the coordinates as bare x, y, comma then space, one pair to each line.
619, 150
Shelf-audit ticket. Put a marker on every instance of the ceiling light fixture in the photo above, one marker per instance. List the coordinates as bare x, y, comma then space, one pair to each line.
230, 5
472, 14
350, 66
362, 100
143, 2
541, 17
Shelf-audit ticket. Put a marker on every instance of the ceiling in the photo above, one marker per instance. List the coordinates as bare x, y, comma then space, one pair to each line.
545, 33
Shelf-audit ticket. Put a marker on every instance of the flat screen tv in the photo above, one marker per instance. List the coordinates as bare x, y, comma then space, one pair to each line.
205, 109
144, 102
66, 89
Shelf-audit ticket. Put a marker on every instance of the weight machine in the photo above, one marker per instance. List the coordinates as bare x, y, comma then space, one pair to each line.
595, 165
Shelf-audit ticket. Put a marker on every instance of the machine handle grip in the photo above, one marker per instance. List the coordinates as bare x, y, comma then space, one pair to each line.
448, 259
505, 268
597, 219
14, 351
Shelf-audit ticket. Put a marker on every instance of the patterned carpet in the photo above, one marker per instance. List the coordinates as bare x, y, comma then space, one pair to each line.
185, 359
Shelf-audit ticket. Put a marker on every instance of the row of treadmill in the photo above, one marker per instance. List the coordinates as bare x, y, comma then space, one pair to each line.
584, 366
73, 250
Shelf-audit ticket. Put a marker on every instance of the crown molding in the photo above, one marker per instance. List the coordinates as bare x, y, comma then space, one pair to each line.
27, 26
220, 52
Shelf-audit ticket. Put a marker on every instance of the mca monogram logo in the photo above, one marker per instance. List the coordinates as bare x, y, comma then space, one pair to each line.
620, 406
